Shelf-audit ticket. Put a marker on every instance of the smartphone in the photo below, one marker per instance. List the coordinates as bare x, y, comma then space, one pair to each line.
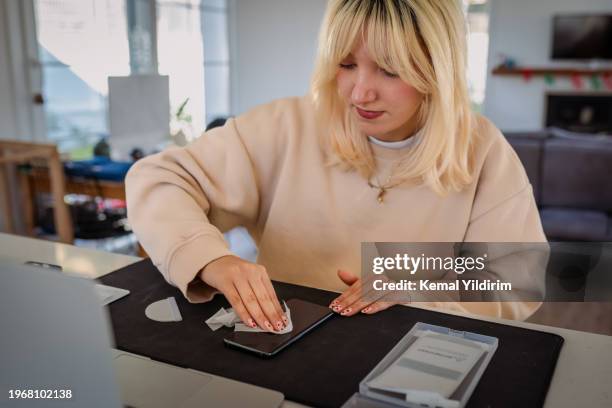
305, 316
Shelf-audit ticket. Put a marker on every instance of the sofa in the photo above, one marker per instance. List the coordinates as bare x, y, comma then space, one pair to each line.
571, 175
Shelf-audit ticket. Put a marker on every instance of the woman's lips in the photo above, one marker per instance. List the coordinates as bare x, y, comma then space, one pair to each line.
366, 114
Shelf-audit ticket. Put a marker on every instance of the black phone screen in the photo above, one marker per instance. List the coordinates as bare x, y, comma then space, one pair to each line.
305, 316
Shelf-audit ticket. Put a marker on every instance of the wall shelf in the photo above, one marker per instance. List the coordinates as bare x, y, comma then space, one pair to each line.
521, 71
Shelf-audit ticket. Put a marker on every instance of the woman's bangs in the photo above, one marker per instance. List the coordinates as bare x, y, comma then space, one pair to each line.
379, 42
388, 40
384, 30
344, 34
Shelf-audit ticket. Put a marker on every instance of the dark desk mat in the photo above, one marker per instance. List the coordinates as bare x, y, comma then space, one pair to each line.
324, 368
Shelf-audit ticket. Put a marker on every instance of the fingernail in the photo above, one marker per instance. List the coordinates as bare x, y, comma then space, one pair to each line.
346, 311
366, 310
279, 325
268, 325
251, 323
285, 320
337, 308
334, 303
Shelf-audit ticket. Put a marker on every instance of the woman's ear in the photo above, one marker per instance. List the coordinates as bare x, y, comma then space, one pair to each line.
347, 277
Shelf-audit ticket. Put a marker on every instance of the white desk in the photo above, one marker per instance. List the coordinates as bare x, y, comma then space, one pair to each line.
83, 261
583, 376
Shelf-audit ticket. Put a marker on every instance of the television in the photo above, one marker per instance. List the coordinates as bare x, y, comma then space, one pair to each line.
582, 37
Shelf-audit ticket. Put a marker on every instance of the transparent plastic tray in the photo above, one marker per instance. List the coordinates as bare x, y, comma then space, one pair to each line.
371, 397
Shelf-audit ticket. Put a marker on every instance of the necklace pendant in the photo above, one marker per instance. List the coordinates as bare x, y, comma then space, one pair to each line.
381, 195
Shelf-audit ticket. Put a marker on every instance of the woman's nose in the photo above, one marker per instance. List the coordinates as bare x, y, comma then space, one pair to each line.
364, 90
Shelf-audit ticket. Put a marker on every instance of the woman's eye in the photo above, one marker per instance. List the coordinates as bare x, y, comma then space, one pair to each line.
389, 74
347, 65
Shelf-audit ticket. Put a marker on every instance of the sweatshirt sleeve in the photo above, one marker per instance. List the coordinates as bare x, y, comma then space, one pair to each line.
180, 200
504, 210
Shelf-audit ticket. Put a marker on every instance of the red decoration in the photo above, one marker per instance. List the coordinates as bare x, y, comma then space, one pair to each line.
607, 80
577, 81
527, 74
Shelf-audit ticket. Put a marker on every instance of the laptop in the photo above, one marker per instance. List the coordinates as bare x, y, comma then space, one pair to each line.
56, 342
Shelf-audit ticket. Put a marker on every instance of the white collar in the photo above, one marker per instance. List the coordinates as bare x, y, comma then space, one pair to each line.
395, 145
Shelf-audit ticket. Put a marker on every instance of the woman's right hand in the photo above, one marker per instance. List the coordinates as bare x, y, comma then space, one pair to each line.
248, 289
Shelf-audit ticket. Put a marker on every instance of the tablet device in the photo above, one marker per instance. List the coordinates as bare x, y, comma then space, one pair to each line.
305, 316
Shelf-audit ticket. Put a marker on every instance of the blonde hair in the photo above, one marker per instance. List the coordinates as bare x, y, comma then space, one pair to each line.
424, 41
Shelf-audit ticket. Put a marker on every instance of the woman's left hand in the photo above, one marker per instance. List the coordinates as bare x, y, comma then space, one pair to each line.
352, 301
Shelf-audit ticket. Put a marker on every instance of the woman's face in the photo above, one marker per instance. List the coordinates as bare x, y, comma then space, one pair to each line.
381, 103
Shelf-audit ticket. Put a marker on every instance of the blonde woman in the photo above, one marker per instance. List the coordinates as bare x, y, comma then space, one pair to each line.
384, 148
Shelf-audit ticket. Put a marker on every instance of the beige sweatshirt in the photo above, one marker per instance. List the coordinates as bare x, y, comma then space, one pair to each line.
266, 170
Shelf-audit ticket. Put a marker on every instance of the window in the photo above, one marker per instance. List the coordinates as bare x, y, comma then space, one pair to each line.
478, 45
192, 48
81, 43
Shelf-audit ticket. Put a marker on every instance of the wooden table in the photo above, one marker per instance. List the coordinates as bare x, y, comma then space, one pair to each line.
36, 180
39, 182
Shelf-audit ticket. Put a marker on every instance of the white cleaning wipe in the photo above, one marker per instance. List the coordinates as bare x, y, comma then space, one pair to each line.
223, 317
228, 318
165, 310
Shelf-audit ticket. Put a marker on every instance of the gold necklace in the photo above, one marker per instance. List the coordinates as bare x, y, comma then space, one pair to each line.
382, 189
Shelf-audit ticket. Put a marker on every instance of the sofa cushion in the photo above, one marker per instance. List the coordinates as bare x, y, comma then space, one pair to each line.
528, 134
582, 137
577, 174
574, 224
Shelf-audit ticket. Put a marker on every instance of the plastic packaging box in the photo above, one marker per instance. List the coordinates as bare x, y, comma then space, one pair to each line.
374, 398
